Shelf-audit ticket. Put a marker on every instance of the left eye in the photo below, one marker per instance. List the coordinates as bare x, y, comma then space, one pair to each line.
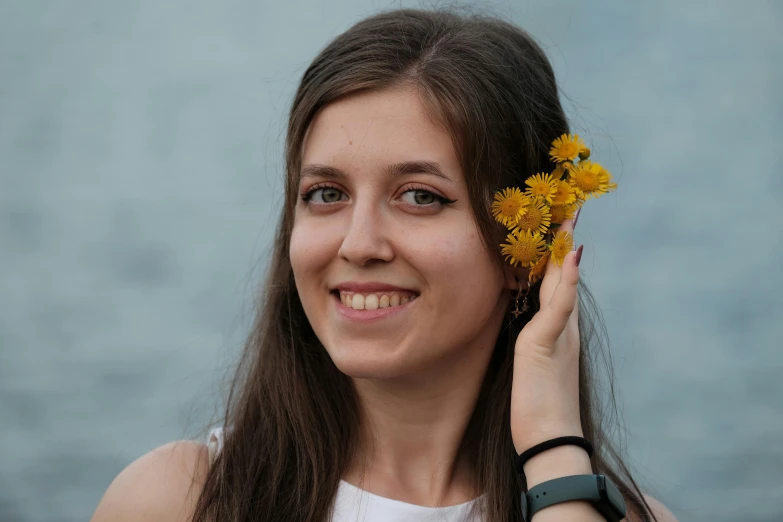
422, 197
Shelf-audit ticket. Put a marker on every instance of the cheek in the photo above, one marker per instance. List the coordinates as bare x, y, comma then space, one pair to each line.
460, 269
309, 251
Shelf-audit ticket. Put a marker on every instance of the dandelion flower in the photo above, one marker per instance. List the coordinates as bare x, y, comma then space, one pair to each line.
562, 244
509, 205
566, 148
591, 180
537, 218
564, 194
561, 213
537, 272
541, 186
523, 248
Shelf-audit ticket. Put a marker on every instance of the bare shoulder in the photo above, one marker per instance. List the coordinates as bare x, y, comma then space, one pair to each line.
162, 485
661, 512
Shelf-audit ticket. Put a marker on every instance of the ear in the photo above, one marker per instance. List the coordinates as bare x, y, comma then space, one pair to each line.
514, 275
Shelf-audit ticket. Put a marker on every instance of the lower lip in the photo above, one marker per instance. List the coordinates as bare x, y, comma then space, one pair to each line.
370, 315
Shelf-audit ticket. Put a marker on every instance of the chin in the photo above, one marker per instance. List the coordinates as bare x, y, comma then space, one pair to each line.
363, 360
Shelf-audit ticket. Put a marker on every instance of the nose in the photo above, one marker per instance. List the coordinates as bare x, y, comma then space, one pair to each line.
366, 239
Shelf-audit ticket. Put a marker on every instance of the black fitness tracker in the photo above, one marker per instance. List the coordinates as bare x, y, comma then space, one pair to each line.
596, 489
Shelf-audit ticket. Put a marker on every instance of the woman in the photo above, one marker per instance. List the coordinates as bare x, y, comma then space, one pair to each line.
390, 374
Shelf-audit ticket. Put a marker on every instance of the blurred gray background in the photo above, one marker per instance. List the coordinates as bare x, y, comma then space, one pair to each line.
140, 178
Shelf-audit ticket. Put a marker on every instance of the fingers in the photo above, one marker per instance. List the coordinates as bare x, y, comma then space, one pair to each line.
552, 319
553, 271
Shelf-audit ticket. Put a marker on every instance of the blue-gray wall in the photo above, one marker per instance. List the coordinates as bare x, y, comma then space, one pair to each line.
140, 177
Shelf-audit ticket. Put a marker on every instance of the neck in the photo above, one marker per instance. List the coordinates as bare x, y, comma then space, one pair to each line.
411, 431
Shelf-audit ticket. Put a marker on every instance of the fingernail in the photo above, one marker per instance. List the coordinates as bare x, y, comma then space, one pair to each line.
579, 254
576, 217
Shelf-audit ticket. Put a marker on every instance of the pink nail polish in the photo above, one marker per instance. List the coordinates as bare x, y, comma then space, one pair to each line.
576, 217
579, 254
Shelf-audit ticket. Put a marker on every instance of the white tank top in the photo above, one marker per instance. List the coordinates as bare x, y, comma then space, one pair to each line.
353, 504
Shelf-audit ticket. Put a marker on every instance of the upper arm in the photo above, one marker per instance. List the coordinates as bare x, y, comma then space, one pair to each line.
662, 514
162, 485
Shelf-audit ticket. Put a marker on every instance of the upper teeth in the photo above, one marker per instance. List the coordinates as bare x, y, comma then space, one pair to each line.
374, 301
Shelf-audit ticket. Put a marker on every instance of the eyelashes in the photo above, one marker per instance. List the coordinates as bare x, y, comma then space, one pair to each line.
326, 194
322, 189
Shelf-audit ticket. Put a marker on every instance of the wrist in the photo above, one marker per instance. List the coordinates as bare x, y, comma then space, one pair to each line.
561, 461
546, 431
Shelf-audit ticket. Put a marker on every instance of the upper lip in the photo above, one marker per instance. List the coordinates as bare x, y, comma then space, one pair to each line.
354, 286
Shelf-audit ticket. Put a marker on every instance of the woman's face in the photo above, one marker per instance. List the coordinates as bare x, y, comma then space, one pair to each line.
389, 263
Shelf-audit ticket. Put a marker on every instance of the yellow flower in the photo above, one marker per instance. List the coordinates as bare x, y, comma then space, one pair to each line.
566, 148
537, 218
564, 194
561, 245
541, 186
561, 213
537, 272
523, 248
509, 205
591, 180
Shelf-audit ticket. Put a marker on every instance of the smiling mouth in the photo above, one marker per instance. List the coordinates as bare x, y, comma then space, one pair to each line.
374, 300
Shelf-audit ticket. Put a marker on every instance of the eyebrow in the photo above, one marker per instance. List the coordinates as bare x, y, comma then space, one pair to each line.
391, 171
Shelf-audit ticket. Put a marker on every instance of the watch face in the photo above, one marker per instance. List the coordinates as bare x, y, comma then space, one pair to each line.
525, 507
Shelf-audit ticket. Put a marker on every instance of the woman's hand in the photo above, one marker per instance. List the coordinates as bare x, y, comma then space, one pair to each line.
545, 389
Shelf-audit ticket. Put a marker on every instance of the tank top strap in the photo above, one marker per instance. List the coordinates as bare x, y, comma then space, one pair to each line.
215, 443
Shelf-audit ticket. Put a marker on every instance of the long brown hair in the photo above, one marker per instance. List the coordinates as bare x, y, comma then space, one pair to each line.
293, 415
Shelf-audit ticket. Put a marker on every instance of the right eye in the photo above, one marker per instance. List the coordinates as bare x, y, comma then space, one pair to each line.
323, 195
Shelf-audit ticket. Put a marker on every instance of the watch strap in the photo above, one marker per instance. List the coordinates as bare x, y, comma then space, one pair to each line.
595, 489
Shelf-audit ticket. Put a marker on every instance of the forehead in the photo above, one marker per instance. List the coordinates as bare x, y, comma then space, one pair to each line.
377, 128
